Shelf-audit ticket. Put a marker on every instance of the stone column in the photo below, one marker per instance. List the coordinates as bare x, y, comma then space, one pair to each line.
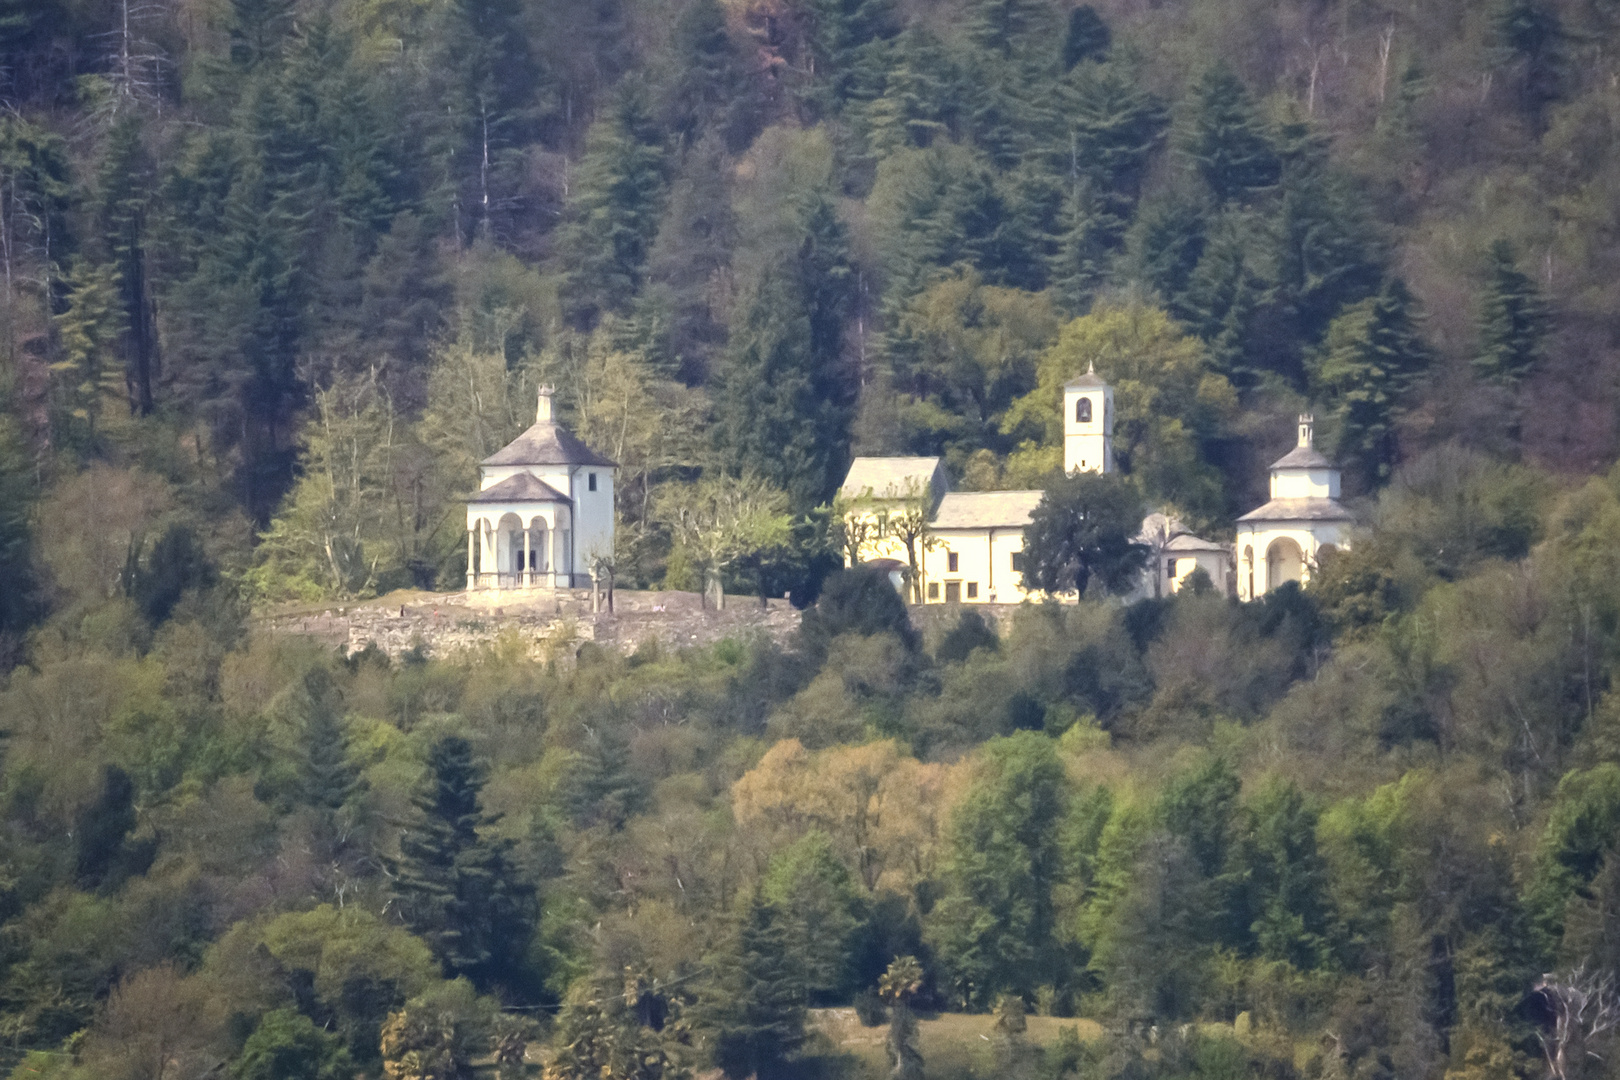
528, 577
556, 551
471, 578
488, 536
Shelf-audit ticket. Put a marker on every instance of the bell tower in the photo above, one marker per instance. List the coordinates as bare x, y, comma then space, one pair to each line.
1088, 424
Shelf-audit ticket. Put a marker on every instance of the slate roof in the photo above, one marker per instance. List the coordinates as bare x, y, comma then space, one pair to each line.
1302, 457
888, 477
986, 509
1189, 542
1309, 509
523, 487
548, 444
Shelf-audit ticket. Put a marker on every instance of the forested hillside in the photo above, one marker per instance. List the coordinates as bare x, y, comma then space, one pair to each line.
278, 273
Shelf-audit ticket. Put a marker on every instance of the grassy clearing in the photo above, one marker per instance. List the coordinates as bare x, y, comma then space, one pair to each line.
954, 1046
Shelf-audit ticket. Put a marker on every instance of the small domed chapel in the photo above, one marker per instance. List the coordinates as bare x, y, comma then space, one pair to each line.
977, 556
543, 514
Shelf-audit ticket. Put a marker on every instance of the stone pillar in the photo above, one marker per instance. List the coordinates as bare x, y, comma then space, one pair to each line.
471, 572
527, 578
556, 552
488, 535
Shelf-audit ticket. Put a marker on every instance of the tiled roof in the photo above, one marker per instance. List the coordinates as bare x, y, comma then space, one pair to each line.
547, 444
522, 487
888, 477
1302, 457
986, 509
1315, 509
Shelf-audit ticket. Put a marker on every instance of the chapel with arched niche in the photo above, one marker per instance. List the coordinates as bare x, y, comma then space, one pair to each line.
543, 515
1286, 539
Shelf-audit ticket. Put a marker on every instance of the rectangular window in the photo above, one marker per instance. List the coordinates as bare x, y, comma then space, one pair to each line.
590, 481
973, 590
1018, 562
950, 561
953, 592
933, 590
1170, 568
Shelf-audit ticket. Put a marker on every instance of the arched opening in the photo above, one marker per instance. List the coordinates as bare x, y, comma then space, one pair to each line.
1284, 562
1082, 411
1248, 570
509, 548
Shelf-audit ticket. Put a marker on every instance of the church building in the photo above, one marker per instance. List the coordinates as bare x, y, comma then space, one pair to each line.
1283, 540
544, 510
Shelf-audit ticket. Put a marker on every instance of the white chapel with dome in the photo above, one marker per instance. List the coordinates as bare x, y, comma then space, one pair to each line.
1283, 540
543, 514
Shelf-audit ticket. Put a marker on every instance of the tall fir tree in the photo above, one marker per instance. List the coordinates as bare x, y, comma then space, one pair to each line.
1367, 364
615, 206
19, 595
712, 89
1087, 37
848, 44
456, 886
1229, 141
1513, 321
123, 195
782, 404
751, 1015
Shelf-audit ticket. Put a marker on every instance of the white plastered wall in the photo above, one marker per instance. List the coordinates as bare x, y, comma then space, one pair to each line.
984, 559
1254, 541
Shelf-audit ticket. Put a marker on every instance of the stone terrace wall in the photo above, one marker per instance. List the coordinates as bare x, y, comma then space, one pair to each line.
546, 625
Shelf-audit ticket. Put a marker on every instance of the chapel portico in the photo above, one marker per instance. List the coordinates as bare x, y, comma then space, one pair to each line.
543, 515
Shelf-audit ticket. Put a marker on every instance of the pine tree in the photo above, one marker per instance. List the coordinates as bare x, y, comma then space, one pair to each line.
615, 208
1088, 235
1088, 37
1370, 359
1117, 126
1002, 26
88, 373
1285, 878
1225, 292
102, 831
1229, 141
752, 1013
124, 192
19, 597
1529, 36
848, 44
1513, 321
1328, 255
327, 778
711, 91
1167, 241
782, 406
458, 888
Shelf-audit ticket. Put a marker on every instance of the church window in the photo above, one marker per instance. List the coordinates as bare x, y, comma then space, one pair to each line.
1082, 411
590, 481
933, 590
1018, 562
973, 590
1170, 568
951, 559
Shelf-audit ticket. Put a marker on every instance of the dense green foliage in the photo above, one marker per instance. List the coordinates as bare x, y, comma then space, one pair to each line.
276, 274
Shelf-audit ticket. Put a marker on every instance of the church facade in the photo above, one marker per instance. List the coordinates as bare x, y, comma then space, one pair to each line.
543, 514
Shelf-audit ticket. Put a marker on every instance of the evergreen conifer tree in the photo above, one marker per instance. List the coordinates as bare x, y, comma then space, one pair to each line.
1087, 38
712, 87
782, 406
123, 194
1117, 126
1229, 141
1513, 321
752, 1013
1529, 36
615, 206
458, 888
1370, 359
19, 598
88, 373
848, 42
